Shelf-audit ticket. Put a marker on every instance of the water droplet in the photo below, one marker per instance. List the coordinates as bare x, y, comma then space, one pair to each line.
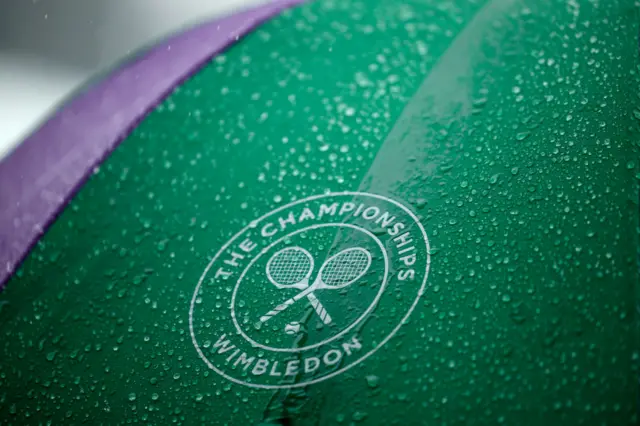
359, 416
372, 381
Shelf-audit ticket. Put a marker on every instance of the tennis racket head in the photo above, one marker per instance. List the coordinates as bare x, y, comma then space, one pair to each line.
290, 267
345, 268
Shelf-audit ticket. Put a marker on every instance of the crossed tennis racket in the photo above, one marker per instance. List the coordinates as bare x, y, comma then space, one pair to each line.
292, 267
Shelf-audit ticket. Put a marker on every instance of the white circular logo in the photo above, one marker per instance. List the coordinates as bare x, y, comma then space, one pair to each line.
309, 290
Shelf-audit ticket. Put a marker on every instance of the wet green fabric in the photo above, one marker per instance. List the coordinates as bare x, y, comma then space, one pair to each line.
507, 128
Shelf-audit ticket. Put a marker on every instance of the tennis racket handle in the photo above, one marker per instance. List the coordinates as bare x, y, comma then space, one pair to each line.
281, 307
320, 310
275, 311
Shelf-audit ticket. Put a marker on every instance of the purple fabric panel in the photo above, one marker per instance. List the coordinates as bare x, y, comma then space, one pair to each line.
39, 177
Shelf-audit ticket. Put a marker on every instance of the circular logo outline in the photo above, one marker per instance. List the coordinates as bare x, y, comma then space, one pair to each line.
372, 351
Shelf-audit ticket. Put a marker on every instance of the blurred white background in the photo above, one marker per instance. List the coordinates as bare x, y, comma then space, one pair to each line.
48, 48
